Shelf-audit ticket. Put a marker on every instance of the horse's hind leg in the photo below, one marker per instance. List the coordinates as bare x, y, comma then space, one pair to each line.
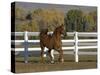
42, 54
51, 55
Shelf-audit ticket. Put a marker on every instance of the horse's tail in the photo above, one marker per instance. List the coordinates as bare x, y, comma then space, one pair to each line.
43, 32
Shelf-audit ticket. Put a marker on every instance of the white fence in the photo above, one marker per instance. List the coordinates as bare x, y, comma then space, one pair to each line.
75, 48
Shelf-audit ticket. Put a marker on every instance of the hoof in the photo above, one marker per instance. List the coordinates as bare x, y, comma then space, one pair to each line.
52, 62
61, 60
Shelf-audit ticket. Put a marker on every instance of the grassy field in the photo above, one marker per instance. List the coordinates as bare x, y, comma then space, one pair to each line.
34, 65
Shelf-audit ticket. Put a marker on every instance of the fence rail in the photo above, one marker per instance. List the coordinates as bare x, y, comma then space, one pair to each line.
75, 48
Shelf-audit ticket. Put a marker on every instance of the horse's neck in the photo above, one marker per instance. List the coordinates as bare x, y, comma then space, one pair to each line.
57, 35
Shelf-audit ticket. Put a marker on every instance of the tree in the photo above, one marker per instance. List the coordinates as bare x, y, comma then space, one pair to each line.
48, 18
74, 20
92, 21
20, 14
37, 19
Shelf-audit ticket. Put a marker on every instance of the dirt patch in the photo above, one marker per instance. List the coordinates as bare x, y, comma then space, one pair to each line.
39, 67
34, 65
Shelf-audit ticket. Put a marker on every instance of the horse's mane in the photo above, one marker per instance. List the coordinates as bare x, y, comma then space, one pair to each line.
43, 32
57, 29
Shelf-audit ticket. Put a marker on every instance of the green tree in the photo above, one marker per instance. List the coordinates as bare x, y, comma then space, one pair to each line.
74, 20
92, 21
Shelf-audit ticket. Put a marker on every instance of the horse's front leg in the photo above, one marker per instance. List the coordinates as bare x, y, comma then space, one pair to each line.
51, 55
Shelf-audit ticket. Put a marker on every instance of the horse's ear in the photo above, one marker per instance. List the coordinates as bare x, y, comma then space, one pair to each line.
62, 25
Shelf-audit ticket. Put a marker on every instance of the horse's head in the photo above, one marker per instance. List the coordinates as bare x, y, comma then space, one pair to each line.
61, 30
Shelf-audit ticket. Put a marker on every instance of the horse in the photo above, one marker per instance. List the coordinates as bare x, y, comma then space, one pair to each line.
52, 42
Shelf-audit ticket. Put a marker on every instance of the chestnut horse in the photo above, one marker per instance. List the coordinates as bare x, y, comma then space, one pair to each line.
52, 42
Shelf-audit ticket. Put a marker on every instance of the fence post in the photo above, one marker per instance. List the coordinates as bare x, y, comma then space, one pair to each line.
76, 46
26, 47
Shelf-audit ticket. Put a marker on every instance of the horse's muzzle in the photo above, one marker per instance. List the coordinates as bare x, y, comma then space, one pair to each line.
64, 34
